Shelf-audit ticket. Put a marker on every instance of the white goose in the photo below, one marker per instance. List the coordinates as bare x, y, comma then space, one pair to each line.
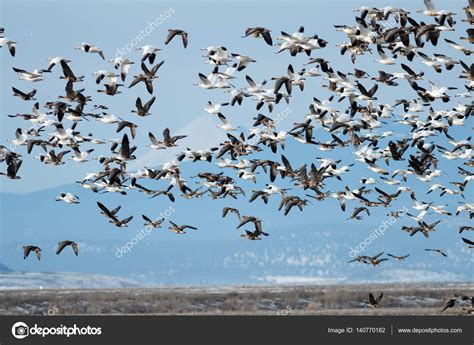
108, 118
9, 43
244, 61
214, 108
123, 64
34, 76
431, 10
385, 60
89, 48
101, 74
226, 126
56, 61
68, 198
148, 52
79, 156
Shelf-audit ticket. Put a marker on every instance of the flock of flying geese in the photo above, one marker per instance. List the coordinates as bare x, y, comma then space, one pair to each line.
358, 125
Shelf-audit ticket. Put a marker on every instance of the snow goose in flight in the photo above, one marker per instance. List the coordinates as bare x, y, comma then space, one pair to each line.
123, 64
176, 32
214, 108
248, 175
34, 76
9, 43
68, 198
30, 248
79, 156
385, 60
446, 60
68, 73
431, 10
37, 118
212, 82
217, 55
64, 244
148, 52
259, 32
197, 155
226, 126
101, 74
21, 139
459, 47
228, 74
254, 88
56, 61
89, 48
244, 61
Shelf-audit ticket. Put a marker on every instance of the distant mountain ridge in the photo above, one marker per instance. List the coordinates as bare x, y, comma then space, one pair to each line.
4, 268
313, 249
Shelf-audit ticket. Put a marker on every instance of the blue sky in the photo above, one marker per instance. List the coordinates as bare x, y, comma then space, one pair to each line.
47, 29
179, 103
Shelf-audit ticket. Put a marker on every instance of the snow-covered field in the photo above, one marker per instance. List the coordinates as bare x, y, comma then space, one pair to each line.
63, 280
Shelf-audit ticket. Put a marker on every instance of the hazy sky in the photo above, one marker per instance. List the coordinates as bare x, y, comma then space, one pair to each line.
48, 29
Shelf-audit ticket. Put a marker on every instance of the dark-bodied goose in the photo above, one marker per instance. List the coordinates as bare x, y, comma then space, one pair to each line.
168, 140
12, 169
143, 109
400, 258
64, 244
176, 32
436, 250
374, 302
147, 76
112, 218
152, 223
259, 32
227, 210
30, 96
179, 229
469, 242
31, 248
